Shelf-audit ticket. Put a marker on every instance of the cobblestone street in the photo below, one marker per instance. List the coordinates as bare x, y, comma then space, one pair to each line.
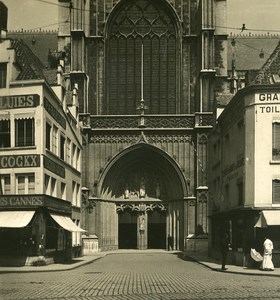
138, 276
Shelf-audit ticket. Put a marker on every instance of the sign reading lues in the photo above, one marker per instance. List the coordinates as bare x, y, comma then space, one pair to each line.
19, 161
21, 201
19, 101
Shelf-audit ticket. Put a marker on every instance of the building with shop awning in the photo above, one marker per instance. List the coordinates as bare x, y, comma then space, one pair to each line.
19, 219
268, 218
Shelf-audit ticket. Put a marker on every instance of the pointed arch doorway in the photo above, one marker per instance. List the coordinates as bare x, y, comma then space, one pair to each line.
147, 186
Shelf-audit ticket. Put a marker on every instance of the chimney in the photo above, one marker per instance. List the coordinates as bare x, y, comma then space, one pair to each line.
3, 20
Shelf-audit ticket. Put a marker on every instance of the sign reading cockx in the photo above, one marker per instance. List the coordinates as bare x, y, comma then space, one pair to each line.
19, 161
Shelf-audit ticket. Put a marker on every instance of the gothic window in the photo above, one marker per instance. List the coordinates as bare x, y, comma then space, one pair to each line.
140, 23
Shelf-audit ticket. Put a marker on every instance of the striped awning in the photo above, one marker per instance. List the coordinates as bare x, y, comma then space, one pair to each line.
15, 219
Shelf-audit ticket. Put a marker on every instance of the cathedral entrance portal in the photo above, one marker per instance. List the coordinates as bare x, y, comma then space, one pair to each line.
147, 188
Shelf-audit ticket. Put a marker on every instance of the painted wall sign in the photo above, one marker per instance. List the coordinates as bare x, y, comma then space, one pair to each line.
54, 167
233, 167
21, 201
19, 161
54, 113
19, 101
271, 109
269, 97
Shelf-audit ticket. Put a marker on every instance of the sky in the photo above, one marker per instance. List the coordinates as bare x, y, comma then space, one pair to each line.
259, 16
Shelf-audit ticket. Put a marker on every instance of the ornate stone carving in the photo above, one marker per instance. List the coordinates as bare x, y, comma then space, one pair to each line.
106, 138
140, 207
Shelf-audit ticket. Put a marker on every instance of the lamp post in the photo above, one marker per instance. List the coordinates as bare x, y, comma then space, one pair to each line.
88, 206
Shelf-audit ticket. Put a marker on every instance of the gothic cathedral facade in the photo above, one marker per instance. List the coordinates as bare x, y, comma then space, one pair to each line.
147, 73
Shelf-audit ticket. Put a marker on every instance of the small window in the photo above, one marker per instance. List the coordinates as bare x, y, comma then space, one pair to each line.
25, 132
48, 136
53, 187
3, 75
276, 141
5, 134
73, 157
47, 184
276, 191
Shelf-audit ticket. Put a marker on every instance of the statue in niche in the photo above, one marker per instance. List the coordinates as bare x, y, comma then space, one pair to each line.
157, 189
126, 192
142, 191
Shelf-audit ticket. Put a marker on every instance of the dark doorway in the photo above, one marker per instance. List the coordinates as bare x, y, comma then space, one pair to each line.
157, 230
127, 231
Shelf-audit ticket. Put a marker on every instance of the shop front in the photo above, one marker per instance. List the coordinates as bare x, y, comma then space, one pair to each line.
35, 230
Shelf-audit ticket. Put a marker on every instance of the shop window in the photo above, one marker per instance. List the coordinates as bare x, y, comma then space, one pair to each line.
62, 147
63, 191
25, 184
54, 140
25, 132
276, 141
5, 188
48, 136
276, 191
68, 151
5, 134
3, 75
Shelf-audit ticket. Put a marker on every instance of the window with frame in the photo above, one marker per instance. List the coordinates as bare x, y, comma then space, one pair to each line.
73, 157
148, 26
63, 191
276, 141
5, 134
74, 193
5, 182
25, 183
25, 132
48, 136
54, 139
47, 184
3, 75
53, 187
68, 151
62, 147
276, 191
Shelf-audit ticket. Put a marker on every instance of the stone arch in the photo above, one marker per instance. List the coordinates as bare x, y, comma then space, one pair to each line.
149, 162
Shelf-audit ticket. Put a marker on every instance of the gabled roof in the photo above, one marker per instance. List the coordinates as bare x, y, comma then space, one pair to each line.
29, 65
40, 42
270, 68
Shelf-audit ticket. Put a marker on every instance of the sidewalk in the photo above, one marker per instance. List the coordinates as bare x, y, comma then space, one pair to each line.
208, 262
215, 265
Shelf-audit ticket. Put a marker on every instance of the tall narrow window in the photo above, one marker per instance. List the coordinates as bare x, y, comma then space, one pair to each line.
3, 75
5, 134
25, 132
62, 147
68, 151
63, 191
276, 141
276, 191
142, 25
54, 140
48, 136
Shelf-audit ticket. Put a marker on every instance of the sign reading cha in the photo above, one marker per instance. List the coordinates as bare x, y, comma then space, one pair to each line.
19, 101
19, 161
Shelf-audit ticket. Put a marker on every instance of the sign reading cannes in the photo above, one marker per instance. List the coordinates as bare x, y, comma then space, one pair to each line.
19, 161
